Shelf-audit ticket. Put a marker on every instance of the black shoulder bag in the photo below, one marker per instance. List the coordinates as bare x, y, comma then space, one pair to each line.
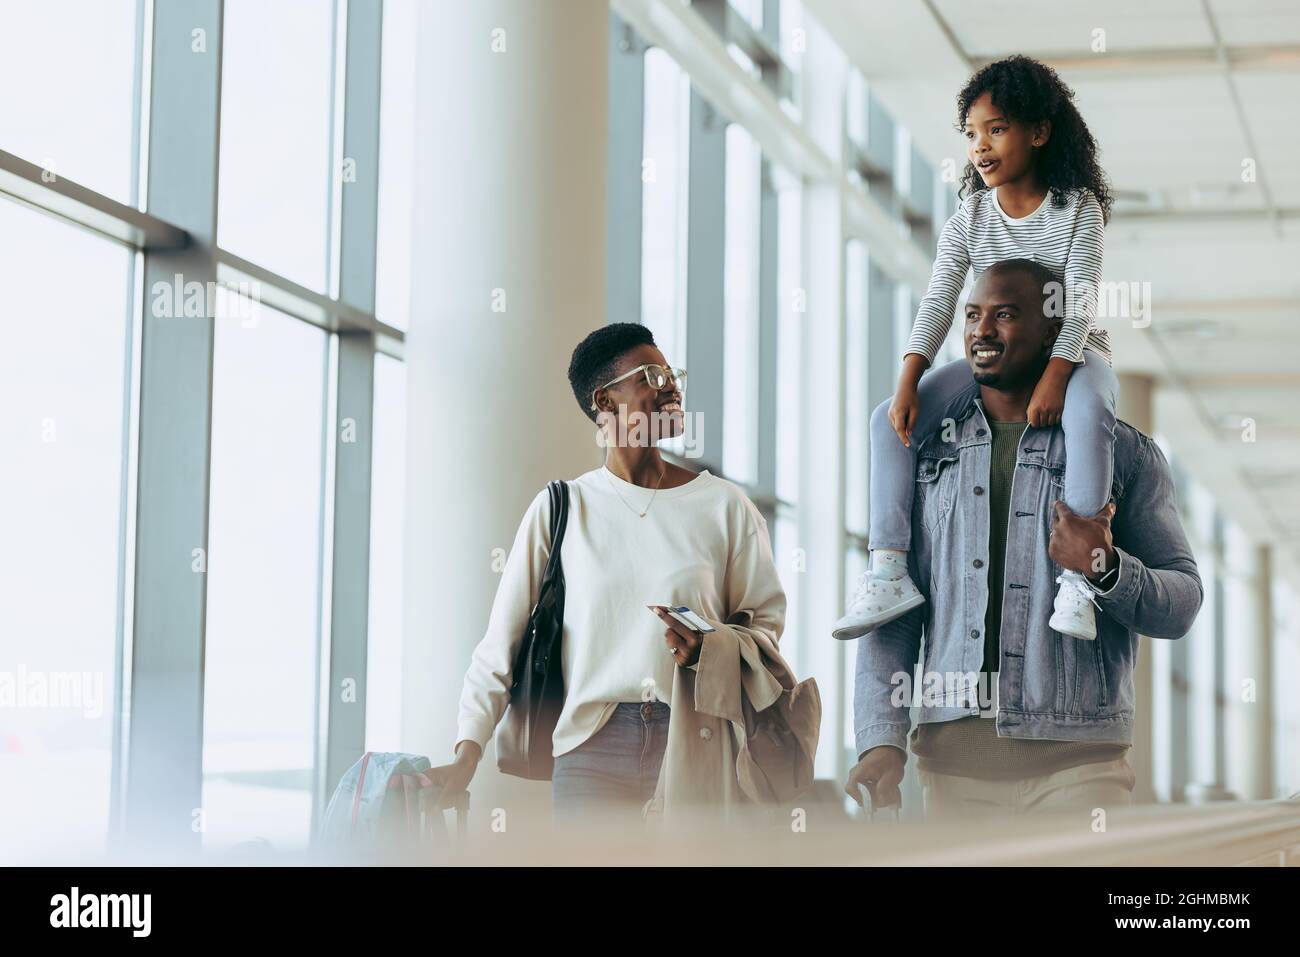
524, 740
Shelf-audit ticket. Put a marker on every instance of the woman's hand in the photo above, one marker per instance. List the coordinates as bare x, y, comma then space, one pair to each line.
1048, 400
452, 779
683, 642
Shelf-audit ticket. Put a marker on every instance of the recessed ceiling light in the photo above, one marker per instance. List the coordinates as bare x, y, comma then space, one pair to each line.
1191, 328
1272, 478
1235, 421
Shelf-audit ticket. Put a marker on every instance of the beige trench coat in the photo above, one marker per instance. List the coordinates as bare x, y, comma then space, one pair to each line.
741, 732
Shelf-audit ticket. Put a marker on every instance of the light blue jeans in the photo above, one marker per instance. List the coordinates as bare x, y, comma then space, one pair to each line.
616, 769
1088, 423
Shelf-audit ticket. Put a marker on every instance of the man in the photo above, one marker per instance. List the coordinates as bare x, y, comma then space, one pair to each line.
989, 538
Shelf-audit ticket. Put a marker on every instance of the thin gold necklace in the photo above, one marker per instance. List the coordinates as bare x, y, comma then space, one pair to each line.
659, 481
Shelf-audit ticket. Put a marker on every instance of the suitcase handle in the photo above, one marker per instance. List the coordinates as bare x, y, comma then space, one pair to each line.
869, 805
429, 793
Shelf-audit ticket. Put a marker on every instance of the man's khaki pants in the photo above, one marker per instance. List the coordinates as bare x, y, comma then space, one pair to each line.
1105, 784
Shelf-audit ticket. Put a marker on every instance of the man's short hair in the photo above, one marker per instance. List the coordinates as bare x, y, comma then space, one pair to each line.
596, 357
1049, 283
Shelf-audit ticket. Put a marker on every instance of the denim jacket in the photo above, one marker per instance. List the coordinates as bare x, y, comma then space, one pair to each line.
1049, 685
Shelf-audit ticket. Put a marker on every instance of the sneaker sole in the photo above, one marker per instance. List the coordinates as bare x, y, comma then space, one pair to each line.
1055, 626
860, 626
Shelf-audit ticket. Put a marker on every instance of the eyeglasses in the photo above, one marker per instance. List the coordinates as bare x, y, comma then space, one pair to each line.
656, 377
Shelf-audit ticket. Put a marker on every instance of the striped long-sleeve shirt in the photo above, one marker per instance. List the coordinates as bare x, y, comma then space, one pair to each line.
1066, 239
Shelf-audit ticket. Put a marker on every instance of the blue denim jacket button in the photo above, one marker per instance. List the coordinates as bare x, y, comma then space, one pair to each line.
974, 632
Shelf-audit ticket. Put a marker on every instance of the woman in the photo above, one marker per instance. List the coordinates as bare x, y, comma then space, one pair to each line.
642, 533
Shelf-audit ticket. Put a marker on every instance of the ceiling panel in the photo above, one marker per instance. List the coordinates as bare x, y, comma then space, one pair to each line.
1257, 22
995, 27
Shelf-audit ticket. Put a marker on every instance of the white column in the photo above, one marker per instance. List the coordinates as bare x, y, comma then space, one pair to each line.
1136, 397
1202, 674
1284, 604
1137, 409
821, 403
1248, 678
509, 274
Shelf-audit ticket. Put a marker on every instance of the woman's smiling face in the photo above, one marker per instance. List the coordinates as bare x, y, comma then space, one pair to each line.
642, 412
1000, 149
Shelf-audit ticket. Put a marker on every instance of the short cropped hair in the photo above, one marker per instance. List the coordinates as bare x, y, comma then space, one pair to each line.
596, 357
1048, 282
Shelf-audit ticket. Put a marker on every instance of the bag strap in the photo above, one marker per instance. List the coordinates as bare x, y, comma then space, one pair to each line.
559, 521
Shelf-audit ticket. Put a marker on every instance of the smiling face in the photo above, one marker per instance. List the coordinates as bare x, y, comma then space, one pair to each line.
1008, 339
640, 409
1000, 149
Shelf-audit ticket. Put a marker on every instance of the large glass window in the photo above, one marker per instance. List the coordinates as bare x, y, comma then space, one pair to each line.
387, 491
63, 379
73, 388
903, 313
794, 39
855, 564
68, 71
857, 400
751, 10
791, 566
663, 213
790, 560
856, 108
882, 148
276, 127
396, 163
740, 307
791, 310
264, 580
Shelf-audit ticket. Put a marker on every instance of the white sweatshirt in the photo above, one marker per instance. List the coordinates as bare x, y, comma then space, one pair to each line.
703, 544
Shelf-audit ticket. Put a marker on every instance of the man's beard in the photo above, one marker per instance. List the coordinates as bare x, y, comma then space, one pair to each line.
1007, 380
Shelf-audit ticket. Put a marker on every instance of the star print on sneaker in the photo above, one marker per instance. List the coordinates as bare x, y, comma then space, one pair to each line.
1073, 612
877, 601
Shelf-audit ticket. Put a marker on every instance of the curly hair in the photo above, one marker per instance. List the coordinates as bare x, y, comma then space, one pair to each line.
1030, 92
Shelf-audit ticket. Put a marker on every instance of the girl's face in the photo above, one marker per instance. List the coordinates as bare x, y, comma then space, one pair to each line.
1001, 150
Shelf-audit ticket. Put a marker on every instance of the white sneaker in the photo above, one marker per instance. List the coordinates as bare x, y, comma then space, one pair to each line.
1073, 613
877, 601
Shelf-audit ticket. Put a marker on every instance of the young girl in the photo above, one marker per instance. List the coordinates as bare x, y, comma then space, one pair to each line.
1032, 189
